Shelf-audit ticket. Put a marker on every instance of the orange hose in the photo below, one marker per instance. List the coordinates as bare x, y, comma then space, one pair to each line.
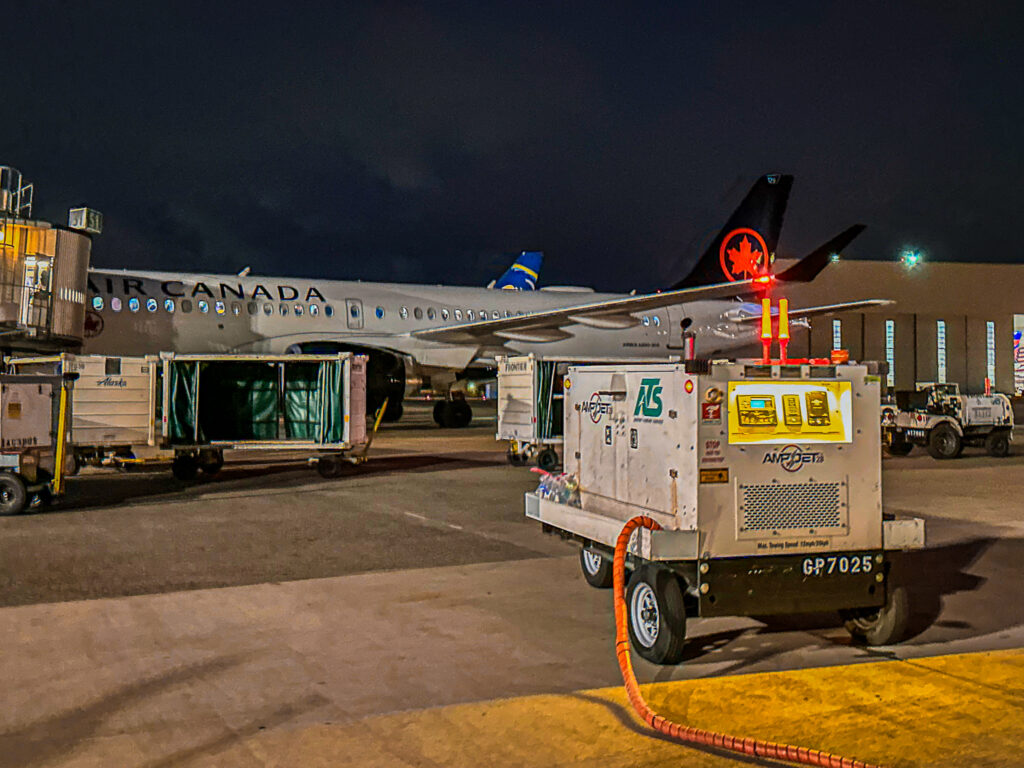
685, 733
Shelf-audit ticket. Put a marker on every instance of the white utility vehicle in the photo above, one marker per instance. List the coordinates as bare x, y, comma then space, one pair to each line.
764, 478
938, 417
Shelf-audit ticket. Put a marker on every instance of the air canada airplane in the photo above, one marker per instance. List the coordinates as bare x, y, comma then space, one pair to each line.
437, 331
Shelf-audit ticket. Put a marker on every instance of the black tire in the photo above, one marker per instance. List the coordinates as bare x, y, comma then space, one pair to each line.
462, 414
328, 466
13, 496
998, 444
899, 446
944, 442
656, 615
72, 464
883, 626
597, 569
439, 408
393, 412
212, 463
185, 468
547, 459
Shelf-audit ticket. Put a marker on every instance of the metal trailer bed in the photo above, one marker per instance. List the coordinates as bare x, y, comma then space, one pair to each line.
764, 479
530, 403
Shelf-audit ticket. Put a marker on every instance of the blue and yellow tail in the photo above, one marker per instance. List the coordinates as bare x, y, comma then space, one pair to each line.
523, 274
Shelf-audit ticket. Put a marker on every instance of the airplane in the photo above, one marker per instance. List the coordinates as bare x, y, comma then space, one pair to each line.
435, 332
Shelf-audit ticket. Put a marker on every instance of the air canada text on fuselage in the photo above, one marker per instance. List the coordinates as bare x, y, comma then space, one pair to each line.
133, 286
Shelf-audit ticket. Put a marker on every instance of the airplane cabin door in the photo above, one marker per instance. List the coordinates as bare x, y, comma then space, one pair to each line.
354, 313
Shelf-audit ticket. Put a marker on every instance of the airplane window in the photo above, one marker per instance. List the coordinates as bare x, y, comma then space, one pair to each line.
417, 313
186, 305
328, 310
252, 307
219, 307
403, 313
97, 302
151, 305
657, 320
507, 313
444, 313
483, 314
236, 308
204, 306
298, 310
380, 313
431, 313
470, 315
314, 309
284, 309
646, 320
268, 309
133, 304
169, 305
495, 315
458, 312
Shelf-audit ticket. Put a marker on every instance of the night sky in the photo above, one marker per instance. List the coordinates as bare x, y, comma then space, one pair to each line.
433, 142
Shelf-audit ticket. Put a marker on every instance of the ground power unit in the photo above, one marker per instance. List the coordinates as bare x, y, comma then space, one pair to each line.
765, 480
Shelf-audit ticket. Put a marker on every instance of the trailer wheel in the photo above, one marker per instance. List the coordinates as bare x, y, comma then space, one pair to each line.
547, 459
597, 569
13, 496
212, 463
944, 442
72, 464
657, 618
998, 444
328, 467
880, 626
185, 468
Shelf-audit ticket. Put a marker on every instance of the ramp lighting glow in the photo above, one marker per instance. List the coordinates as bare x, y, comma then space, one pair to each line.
834, 258
911, 258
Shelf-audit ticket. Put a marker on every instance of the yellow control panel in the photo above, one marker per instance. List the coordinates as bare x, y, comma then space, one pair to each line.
790, 411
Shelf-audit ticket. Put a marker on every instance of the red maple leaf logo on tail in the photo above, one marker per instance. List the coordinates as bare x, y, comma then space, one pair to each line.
745, 259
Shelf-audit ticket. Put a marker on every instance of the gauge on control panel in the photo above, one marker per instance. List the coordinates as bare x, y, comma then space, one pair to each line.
791, 415
817, 409
756, 410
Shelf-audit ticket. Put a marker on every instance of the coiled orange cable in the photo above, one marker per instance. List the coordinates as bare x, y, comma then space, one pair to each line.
746, 746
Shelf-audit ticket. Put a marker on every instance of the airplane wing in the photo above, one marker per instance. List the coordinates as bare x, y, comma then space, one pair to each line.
614, 314
825, 309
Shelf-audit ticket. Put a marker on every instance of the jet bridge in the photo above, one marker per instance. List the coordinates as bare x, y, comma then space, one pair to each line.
43, 274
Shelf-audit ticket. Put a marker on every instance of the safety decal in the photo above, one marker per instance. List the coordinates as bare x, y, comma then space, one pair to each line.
716, 475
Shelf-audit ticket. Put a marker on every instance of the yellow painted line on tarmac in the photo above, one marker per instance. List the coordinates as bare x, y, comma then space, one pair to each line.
963, 710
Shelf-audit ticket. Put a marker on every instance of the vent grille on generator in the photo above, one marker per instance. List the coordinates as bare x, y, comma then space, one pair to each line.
800, 505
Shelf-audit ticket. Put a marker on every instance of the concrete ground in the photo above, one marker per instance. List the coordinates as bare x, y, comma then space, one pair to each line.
270, 617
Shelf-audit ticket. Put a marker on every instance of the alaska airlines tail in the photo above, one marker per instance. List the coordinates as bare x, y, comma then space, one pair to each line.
523, 274
746, 244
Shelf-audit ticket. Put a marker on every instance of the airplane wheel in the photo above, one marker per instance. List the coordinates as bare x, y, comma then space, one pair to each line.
439, 410
393, 412
463, 414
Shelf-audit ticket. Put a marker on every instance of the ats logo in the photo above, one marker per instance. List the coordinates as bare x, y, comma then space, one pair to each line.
596, 407
743, 254
648, 401
792, 458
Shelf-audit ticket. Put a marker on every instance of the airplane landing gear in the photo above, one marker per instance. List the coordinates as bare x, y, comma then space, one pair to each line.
452, 414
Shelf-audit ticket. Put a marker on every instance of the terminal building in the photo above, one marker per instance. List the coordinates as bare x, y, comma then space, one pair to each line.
950, 322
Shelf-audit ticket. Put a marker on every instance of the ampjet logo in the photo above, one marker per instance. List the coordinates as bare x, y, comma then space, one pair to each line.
792, 458
596, 407
648, 401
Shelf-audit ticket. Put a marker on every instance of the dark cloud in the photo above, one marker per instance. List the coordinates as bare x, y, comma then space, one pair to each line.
431, 142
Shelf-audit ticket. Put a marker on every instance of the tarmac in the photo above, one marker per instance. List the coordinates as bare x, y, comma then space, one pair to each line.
408, 615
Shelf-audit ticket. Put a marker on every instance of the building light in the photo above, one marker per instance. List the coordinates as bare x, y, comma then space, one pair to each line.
837, 334
940, 352
911, 258
890, 352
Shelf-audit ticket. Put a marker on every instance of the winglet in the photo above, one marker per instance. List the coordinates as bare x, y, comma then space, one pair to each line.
811, 265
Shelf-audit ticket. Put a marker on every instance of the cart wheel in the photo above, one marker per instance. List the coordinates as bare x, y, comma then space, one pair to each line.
880, 626
13, 496
657, 618
944, 442
328, 466
597, 569
185, 468
547, 459
72, 464
998, 444
212, 463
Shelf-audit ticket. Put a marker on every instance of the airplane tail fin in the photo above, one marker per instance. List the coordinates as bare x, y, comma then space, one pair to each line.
746, 244
523, 274
812, 264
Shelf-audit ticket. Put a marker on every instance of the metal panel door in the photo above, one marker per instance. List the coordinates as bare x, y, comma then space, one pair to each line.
354, 313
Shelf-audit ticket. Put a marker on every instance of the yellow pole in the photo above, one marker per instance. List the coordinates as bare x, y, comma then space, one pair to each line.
58, 470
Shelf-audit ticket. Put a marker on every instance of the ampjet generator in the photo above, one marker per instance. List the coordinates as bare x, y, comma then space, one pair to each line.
765, 480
